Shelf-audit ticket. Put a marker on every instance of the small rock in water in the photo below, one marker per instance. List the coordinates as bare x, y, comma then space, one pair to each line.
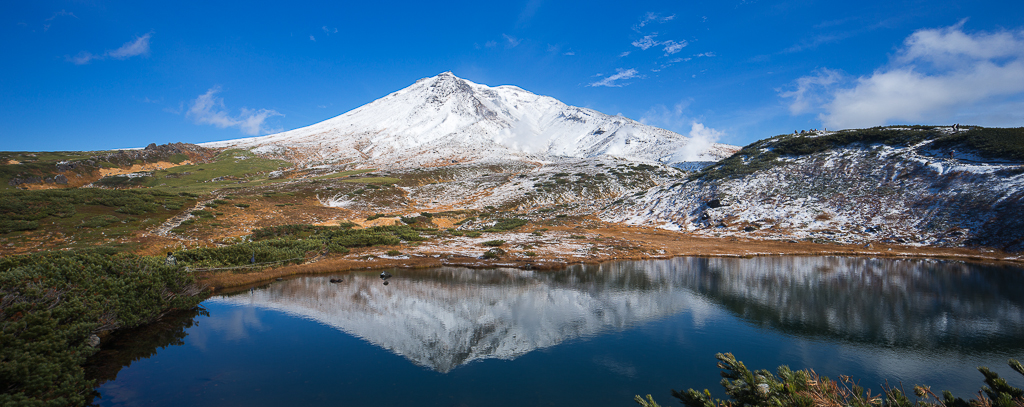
279, 279
93, 341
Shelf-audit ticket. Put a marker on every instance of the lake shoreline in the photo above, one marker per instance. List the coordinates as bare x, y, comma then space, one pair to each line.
622, 243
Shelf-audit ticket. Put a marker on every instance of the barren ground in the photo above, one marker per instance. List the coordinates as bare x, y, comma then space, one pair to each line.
561, 245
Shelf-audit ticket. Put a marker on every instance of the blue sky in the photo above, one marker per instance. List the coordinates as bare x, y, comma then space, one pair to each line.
85, 75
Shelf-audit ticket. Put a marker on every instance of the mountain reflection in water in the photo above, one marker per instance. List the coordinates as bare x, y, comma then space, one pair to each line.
443, 318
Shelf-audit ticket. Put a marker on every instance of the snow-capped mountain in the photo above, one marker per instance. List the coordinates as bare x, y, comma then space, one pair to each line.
445, 119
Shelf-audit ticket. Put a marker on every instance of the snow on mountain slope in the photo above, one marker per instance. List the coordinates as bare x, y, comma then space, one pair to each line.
855, 193
446, 119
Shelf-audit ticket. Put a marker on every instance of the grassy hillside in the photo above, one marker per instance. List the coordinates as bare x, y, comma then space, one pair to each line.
990, 143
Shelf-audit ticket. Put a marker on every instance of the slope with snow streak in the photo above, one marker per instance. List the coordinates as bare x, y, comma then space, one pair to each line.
853, 194
446, 119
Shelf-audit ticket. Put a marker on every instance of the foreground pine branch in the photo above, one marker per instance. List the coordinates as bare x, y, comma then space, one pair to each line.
805, 388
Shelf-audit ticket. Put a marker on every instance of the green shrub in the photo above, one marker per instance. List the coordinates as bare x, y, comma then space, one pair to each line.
393, 253
506, 225
54, 301
100, 221
264, 251
805, 388
409, 220
242, 205
493, 243
473, 234
997, 143
8, 226
494, 253
62, 203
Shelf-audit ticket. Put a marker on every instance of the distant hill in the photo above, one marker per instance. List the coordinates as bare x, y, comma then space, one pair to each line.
920, 185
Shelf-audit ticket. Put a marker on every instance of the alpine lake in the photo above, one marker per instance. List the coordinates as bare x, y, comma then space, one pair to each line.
593, 335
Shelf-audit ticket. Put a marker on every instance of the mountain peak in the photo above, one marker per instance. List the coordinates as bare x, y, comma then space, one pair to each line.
445, 84
445, 119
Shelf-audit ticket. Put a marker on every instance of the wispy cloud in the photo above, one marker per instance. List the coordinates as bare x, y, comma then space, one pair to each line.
834, 37
139, 46
672, 118
512, 41
312, 38
327, 30
937, 76
83, 58
651, 17
811, 90
613, 80
62, 13
817, 41
670, 46
209, 109
624, 54
136, 47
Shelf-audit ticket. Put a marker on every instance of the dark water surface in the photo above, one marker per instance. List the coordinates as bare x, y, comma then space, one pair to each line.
589, 335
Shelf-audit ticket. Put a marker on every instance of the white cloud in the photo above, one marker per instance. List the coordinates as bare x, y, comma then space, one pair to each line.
672, 47
646, 42
937, 76
570, 53
491, 44
676, 119
209, 109
512, 41
701, 139
618, 76
623, 54
312, 38
138, 46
